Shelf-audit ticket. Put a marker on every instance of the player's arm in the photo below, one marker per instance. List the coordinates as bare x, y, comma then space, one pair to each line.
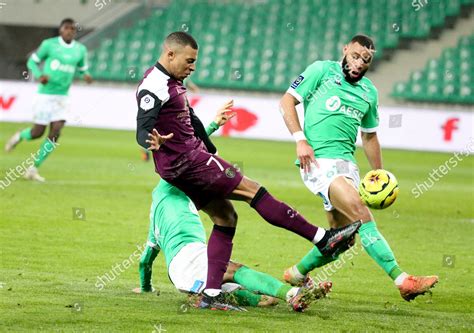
302, 88
200, 132
371, 145
149, 106
35, 60
145, 269
83, 67
370, 141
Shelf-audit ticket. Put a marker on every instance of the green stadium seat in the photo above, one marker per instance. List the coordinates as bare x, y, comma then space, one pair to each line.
270, 42
448, 79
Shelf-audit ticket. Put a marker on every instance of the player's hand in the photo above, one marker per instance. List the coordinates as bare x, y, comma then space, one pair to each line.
139, 290
305, 155
88, 78
224, 114
156, 140
43, 79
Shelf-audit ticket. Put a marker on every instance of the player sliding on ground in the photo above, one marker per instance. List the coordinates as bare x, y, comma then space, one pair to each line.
167, 125
61, 56
177, 230
337, 100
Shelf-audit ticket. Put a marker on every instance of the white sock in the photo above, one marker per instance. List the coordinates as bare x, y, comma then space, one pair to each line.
319, 235
212, 292
292, 292
297, 273
399, 280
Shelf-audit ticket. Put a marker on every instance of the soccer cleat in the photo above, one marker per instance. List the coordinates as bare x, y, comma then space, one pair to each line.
309, 293
338, 240
290, 275
32, 174
12, 142
414, 286
324, 288
219, 302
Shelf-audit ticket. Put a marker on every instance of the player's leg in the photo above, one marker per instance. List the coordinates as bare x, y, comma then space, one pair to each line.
48, 145
258, 282
261, 283
277, 213
244, 297
219, 248
345, 198
297, 274
27, 134
42, 112
46, 148
188, 272
145, 154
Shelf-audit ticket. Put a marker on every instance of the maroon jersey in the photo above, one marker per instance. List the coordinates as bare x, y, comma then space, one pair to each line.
162, 104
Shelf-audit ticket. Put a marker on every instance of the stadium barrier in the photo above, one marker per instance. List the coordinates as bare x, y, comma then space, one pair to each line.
257, 117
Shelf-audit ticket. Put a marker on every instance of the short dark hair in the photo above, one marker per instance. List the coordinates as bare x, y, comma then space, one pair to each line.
364, 40
67, 20
182, 38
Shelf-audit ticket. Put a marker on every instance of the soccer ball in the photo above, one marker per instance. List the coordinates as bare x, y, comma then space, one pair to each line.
378, 189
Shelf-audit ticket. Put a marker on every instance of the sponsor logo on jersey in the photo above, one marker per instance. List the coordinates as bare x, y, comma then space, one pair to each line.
56, 65
297, 82
147, 102
334, 104
230, 172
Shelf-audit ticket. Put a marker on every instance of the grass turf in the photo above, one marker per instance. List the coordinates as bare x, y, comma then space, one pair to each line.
50, 259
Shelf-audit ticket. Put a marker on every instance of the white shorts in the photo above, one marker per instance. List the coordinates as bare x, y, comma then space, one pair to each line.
49, 108
188, 270
320, 177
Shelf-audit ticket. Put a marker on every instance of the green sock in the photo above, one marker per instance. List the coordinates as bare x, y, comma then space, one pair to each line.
26, 134
377, 248
283, 291
260, 283
246, 298
313, 259
46, 148
145, 267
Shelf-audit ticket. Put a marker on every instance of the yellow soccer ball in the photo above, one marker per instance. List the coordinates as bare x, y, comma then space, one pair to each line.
378, 189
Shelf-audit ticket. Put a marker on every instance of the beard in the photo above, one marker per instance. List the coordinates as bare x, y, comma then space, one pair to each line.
347, 75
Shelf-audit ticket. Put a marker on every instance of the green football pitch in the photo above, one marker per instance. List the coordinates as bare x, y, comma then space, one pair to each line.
58, 237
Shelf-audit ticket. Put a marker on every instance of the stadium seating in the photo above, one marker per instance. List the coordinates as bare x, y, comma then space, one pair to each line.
263, 45
448, 79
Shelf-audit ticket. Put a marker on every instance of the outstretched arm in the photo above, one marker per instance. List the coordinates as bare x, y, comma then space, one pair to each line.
371, 145
224, 114
145, 269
